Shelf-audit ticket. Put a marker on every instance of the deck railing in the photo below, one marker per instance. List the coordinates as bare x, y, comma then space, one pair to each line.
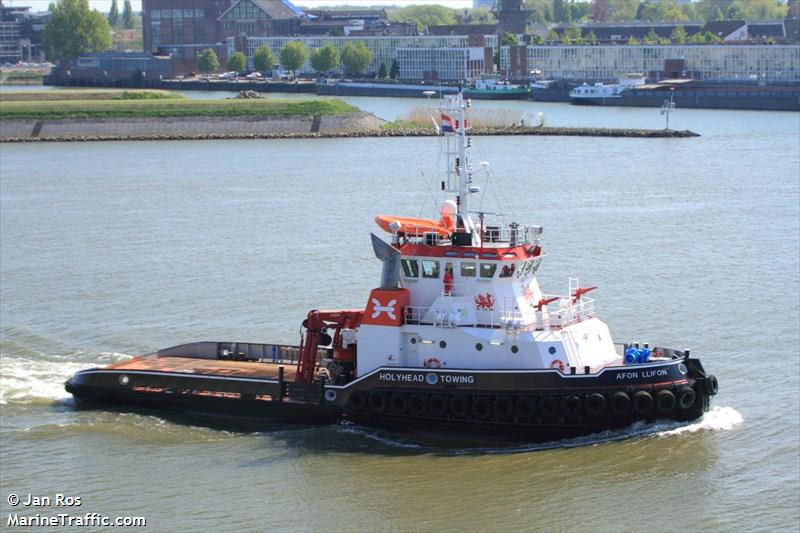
508, 318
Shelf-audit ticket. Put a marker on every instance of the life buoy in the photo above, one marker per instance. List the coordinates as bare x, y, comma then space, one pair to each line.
558, 364
433, 362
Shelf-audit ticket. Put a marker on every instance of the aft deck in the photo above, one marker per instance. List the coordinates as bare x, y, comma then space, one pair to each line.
209, 367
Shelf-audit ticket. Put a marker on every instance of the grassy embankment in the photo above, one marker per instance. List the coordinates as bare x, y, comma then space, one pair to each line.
21, 77
153, 104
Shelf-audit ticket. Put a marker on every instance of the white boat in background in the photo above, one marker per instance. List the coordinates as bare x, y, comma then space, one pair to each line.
599, 92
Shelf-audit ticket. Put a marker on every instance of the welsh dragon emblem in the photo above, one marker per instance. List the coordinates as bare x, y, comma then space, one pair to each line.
485, 303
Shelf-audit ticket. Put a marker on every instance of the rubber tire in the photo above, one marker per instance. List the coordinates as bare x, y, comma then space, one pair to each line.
503, 408
357, 401
458, 405
571, 406
398, 403
378, 401
665, 402
548, 406
596, 405
620, 403
686, 397
525, 408
481, 408
437, 405
418, 404
642, 403
712, 384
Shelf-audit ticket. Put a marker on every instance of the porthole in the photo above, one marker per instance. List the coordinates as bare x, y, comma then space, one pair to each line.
124, 380
479, 347
442, 345
413, 340
514, 348
552, 350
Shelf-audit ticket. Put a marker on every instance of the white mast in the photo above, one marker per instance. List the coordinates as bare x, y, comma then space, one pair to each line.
454, 108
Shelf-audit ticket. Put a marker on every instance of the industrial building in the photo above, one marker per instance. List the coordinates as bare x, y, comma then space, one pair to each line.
718, 63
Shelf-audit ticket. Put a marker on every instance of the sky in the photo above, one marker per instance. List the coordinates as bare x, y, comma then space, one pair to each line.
104, 5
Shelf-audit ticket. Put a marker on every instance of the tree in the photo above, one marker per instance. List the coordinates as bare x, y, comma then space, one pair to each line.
574, 34
207, 61
394, 70
74, 29
537, 39
127, 15
715, 13
424, 16
541, 11
591, 38
561, 11
263, 59
793, 9
508, 39
113, 14
552, 36
356, 57
735, 11
651, 37
382, 71
632, 41
678, 35
480, 15
293, 56
237, 62
325, 59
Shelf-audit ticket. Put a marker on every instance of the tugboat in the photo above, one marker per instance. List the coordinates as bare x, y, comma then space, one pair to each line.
457, 340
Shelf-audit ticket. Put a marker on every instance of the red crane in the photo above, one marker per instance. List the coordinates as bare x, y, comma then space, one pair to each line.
580, 291
544, 301
314, 324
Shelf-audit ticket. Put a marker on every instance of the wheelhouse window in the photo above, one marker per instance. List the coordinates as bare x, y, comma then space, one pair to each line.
488, 270
507, 271
410, 268
430, 269
468, 270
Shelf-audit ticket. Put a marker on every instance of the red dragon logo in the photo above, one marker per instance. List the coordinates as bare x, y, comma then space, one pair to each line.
485, 303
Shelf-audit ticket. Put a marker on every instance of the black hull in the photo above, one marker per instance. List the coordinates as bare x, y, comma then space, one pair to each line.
490, 407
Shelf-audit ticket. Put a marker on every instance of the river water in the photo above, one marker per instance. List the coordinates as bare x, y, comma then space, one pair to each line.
112, 249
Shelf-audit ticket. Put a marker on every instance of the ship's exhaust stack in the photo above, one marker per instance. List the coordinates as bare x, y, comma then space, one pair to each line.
390, 276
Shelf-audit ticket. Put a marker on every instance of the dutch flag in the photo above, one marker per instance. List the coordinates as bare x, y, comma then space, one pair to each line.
447, 124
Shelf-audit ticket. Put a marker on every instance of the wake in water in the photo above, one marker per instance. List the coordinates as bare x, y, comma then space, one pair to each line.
31, 376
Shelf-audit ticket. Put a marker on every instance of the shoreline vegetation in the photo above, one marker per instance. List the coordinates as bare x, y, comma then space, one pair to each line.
102, 114
156, 104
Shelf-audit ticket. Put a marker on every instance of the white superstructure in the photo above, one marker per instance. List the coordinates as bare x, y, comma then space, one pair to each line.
462, 293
